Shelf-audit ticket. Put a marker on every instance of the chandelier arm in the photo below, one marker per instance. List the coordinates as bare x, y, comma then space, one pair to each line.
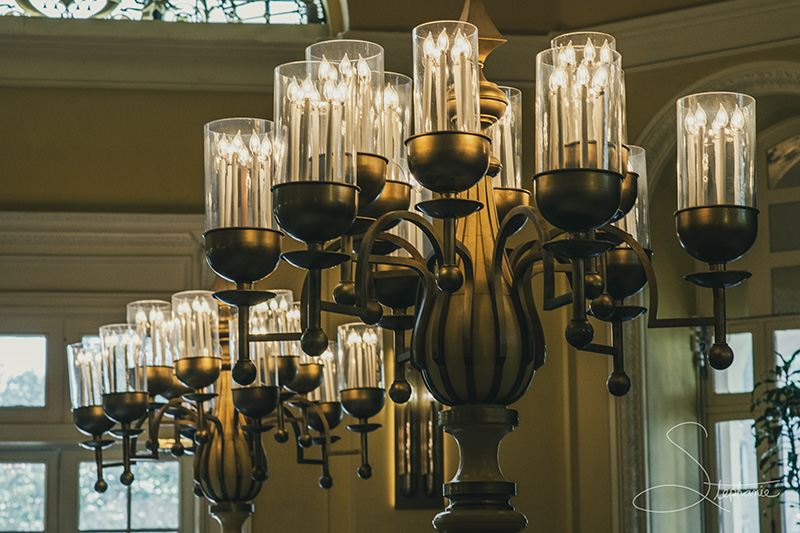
154, 418
652, 320
549, 301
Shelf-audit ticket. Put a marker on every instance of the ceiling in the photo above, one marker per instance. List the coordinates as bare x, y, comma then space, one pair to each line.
527, 17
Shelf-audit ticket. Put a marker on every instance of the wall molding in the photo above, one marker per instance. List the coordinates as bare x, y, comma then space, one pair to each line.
41, 52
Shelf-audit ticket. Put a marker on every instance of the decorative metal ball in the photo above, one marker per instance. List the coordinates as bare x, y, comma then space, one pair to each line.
618, 383
373, 313
260, 474
177, 449
305, 441
400, 391
593, 285
126, 478
365, 471
579, 333
325, 481
314, 341
100, 486
281, 436
201, 437
720, 356
603, 306
345, 293
449, 278
244, 372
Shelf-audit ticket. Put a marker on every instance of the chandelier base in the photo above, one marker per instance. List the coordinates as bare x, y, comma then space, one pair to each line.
479, 494
231, 515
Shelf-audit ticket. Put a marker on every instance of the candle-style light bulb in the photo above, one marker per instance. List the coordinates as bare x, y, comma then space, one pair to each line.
443, 42
558, 80
429, 46
327, 71
390, 97
691, 124
700, 117
605, 52
589, 51
600, 79
294, 92
566, 57
363, 68
737, 119
346, 67
582, 75
721, 120
460, 46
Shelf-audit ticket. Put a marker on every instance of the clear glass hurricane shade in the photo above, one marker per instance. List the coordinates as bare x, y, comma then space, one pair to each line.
446, 77
506, 136
582, 38
360, 356
316, 116
716, 150
328, 391
272, 316
240, 166
85, 383
359, 66
153, 322
578, 108
637, 221
195, 321
123, 360
397, 96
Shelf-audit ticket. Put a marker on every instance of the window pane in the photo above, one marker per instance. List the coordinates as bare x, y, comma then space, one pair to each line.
22, 496
787, 341
736, 465
22, 370
155, 495
790, 507
739, 377
102, 510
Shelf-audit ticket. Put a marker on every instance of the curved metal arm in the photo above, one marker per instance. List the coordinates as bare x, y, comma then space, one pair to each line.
652, 320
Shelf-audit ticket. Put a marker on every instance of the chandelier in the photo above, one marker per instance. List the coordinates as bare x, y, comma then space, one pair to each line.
417, 221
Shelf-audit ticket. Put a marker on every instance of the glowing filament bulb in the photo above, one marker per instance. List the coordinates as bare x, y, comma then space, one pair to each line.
266, 148
141, 316
363, 68
721, 120
558, 80
326, 70
583, 75
255, 144
600, 79
390, 97
567, 56
460, 46
589, 51
737, 119
353, 338
370, 337
294, 92
691, 124
346, 67
605, 52
442, 42
429, 47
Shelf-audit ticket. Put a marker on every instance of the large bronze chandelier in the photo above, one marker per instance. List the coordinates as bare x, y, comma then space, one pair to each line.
337, 169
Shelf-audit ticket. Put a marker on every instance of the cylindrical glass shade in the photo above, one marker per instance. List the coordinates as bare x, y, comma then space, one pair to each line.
328, 391
195, 317
240, 158
716, 150
397, 93
506, 136
272, 316
123, 360
316, 120
446, 77
153, 322
637, 221
578, 106
360, 356
85, 384
359, 65
582, 38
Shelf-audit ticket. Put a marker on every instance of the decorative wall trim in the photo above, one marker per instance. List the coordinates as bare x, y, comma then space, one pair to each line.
240, 57
659, 138
62, 253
